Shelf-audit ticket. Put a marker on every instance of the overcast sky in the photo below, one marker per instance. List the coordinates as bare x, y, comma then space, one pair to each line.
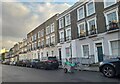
20, 17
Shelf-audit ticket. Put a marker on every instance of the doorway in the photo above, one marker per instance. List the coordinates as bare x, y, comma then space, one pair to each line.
60, 57
99, 51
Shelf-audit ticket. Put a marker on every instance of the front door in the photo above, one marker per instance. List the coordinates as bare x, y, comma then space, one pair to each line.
99, 52
60, 58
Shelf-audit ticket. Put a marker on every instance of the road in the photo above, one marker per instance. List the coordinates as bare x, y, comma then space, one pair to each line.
23, 74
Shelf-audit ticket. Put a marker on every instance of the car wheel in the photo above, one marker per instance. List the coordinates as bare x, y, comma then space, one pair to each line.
65, 70
108, 71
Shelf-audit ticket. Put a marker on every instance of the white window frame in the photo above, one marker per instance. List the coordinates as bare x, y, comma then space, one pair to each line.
82, 50
109, 45
52, 40
60, 33
39, 43
52, 28
47, 30
66, 19
61, 23
39, 34
105, 6
87, 7
42, 33
106, 13
67, 32
95, 23
78, 15
79, 27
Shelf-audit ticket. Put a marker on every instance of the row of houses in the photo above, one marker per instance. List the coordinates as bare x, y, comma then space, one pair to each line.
88, 30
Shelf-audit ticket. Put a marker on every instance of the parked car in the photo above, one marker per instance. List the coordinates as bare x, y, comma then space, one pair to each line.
6, 62
48, 63
111, 67
19, 63
34, 62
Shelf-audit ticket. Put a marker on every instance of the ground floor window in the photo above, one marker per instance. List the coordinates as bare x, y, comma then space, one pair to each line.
68, 53
115, 48
85, 50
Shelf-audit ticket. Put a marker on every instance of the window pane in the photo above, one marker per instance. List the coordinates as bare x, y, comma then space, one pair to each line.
109, 2
112, 16
90, 8
115, 48
85, 50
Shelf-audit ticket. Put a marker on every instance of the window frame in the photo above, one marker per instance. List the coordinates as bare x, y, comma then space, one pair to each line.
78, 25
105, 6
66, 19
61, 23
83, 51
89, 25
91, 1
78, 17
66, 31
106, 13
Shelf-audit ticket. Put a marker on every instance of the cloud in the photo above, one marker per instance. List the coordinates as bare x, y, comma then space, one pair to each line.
18, 18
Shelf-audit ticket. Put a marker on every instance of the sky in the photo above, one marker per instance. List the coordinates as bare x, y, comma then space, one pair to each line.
19, 17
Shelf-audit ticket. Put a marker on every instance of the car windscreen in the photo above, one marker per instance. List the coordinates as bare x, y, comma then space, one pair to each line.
52, 58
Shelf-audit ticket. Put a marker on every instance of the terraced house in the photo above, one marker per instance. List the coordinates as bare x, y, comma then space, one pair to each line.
43, 39
89, 30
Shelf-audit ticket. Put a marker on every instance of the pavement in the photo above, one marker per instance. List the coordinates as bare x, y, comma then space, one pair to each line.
23, 74
86, 68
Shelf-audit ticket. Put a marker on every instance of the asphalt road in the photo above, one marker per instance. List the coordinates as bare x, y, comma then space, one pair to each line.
23, 74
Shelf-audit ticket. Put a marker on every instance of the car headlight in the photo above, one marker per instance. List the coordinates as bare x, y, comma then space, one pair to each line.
100, 63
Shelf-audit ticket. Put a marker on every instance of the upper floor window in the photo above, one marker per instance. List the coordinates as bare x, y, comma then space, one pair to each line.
68, 34
81, 29
42, 32
52, 27
61, 23
90, 7
39, 43
112, 19
67, 20
48, 40
108, 3
80, 13
61, 36
92, 27
47, 30
39, 34
53, 39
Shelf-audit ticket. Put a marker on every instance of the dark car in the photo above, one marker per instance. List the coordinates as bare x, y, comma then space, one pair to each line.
19, 63
34, 62
48, 63
111, 67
